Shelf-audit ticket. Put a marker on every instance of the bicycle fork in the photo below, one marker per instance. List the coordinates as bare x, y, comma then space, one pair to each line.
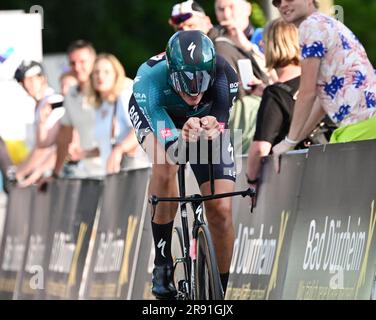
190, 243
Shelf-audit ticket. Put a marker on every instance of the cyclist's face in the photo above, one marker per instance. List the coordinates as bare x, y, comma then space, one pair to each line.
190, 100
294, 11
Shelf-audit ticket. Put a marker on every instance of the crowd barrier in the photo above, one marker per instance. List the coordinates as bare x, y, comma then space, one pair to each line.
311, 235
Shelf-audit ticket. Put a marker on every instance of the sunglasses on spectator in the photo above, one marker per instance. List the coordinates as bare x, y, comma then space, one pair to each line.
277, 3
181, 18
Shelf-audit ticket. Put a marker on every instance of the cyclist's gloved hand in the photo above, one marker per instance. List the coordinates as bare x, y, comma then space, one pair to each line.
210, 126
192, 130
253, 184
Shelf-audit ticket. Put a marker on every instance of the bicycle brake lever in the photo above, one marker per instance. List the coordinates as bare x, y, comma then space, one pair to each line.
252, 206
252, 195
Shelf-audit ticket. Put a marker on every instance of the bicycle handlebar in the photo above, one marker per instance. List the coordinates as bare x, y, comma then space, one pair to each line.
154, 200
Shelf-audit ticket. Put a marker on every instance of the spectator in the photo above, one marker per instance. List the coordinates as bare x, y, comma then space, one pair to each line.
232, 40
111, 92
274, 115
189, 15
335, 67
40, 160
79, 115
5, 165
67, 80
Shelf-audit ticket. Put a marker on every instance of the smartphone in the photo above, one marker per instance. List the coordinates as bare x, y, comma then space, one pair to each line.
56, 105
56, 101
246, 72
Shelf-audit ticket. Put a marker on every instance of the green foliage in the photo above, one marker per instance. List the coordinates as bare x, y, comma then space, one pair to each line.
359, 16
258, 17
135, 30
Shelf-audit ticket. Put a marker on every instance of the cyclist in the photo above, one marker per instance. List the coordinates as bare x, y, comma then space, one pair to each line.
185, 95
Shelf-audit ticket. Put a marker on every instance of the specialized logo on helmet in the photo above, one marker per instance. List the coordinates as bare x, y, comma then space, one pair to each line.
192, 48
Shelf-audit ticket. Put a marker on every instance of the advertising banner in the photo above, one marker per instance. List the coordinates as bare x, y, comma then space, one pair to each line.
118, 237
13, 244
333, 246
31, 279
263, 237
73, 212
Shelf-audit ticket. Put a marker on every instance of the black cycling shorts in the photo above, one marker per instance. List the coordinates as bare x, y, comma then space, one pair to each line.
222, 159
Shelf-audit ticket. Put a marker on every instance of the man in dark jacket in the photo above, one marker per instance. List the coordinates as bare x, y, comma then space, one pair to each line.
232, 40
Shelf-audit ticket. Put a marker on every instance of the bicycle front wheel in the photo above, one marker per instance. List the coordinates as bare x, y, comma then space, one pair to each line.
208, 281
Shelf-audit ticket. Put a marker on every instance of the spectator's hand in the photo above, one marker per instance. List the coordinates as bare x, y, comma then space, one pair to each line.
257, 87
75, 153
114, 161
45, 113
236, 34
278, 150
210, 127
192, 129
44, 182
34, 177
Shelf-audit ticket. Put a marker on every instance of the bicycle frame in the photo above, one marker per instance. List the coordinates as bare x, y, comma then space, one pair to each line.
189, 254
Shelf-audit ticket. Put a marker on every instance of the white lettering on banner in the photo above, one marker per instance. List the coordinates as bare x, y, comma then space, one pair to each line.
253, 255
333, 248
110, 253
35, 253
62, 253
13, 254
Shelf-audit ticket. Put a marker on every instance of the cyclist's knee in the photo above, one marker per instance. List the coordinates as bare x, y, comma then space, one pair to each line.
164, 173
219, 214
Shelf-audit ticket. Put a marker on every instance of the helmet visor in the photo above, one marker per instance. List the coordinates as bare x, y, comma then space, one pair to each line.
191, 83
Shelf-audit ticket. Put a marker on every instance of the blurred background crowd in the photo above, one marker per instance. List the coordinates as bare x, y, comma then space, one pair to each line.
76, 123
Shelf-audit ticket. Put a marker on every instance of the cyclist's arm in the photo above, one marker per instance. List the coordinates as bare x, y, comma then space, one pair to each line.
148, 115
225, 91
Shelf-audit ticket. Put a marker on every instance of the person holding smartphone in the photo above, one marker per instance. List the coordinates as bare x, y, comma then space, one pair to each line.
232, 40
32, 77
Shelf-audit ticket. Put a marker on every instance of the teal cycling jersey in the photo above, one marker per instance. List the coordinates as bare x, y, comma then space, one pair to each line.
156, 108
